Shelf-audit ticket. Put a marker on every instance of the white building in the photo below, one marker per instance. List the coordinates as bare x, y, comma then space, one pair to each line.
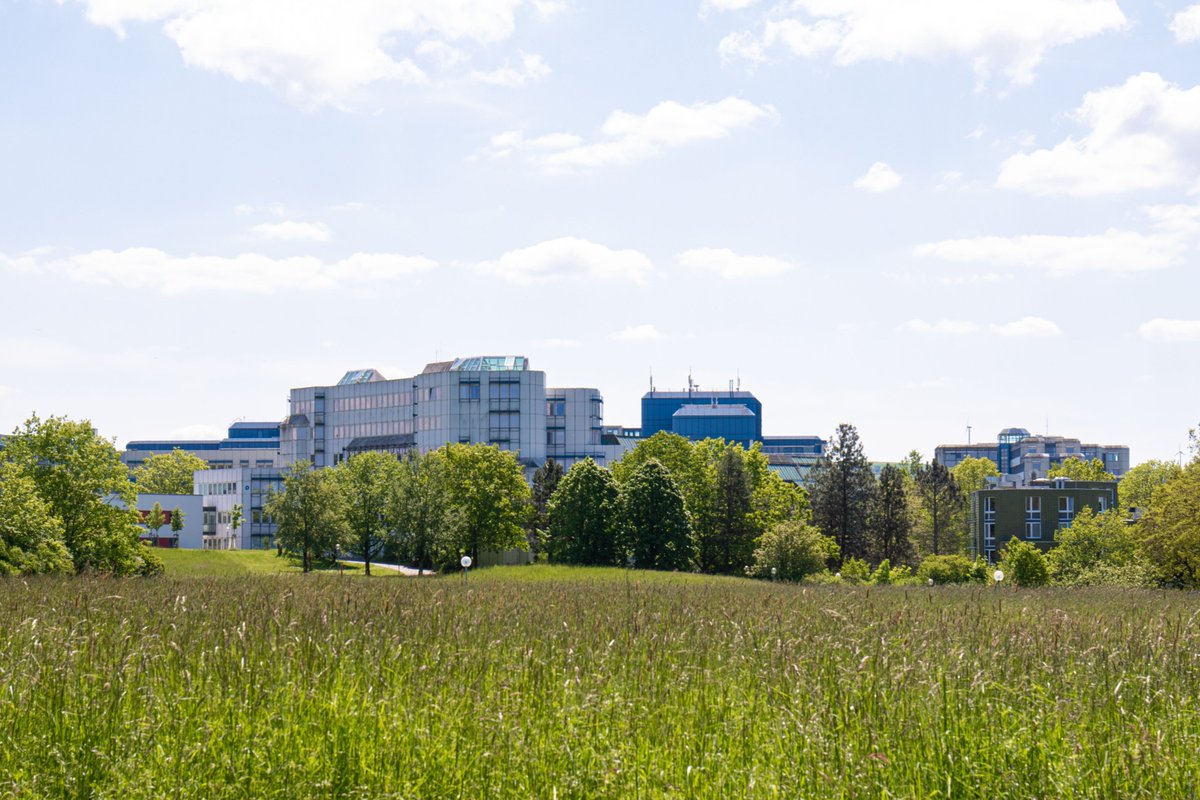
221, 490
495, 400
188, 506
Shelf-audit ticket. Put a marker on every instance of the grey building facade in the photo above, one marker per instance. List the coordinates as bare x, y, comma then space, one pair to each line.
1022, 457
1032, 513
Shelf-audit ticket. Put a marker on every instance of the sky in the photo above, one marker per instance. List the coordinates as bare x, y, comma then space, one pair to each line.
910, 215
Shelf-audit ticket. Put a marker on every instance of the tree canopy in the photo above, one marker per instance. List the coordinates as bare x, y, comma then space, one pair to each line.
367, 481
168, 473
842, 488
486, 487
586, 517
310, 514
1079, 470
1138, 485
659, 533
1170, 529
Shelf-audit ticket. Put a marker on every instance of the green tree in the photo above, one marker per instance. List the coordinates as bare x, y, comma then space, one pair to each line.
310, 514
420, 511
1138, 485
545, 480
795, 550
177, 521
31, 537
971, 474
841, 488
912, 463
486, 488
1024, 563
79, 476
168, 473
155, 521
1079, 470
659, 534
727, 546
947, 569
1170, 529
1095, 548
688, 465
891, 521
941, 506
236, 518
585, 517
368, 481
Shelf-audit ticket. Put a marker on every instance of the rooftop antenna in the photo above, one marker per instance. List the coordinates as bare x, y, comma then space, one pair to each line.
652, 379
968, 434
739, 379
690, 384
731, 387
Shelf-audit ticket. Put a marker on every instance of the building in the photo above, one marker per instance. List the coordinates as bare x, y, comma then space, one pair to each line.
497, 400
249, 444
190, 536
1033, 513
220, 490
1022, 457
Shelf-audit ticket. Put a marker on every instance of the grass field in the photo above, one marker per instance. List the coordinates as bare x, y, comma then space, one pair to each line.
542, 682
180, 563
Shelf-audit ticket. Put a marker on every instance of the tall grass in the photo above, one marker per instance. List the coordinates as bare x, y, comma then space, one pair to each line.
613, 685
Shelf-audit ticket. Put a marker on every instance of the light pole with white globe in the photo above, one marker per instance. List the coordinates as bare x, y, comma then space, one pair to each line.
998, 576
466, 565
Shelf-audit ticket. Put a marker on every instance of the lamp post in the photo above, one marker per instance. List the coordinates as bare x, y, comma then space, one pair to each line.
998, 576
466, 565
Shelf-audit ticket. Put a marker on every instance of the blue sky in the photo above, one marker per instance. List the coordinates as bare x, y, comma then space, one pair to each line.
911, 216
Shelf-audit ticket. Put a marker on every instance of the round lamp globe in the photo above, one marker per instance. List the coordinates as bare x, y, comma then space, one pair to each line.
465, 561
998, 575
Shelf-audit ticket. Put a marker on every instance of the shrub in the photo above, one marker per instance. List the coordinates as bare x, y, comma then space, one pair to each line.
1024, 564
795, 549
883, 573
947, 569
855, 570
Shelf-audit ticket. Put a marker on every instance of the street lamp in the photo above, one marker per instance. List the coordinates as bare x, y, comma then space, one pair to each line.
998, 576
466, 565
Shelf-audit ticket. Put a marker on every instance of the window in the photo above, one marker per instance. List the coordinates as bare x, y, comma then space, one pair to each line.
504, 426
468, 391
1066, 511
556, 437
1102, 503
989, 522
556, 408
504, 390
1033, 517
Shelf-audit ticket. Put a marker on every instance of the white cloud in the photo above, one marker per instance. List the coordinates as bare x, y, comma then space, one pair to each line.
568, 257
1030, 327
1186, 24
637, 333
442, 54
729, 264
1170, 330
1009, 35
315, 52
292, 231
1140, 135
1174, 230
627, 138
879, 178
149, 268
533, 68
952, 327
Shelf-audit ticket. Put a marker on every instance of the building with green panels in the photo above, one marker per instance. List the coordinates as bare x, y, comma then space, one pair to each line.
1033, 513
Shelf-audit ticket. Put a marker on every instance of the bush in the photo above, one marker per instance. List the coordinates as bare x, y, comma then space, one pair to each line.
948, 569
855, 570
794, 549
1024, 564
883, 573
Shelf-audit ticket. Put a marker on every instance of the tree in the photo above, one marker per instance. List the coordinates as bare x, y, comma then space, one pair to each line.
659, 534
168, 473
688, 465
486, 488
795, 550
310, 514
155, 521
941, 504
728, 545
1170, 529
891, 521
367, 482
236, 518
31, 537
841, 488
79, 477
585, 517
912, 463
177, 521
545, 480
1079, 470
420, 512
1024, 563
1138, 485
1095, 548
949, 569
971, 474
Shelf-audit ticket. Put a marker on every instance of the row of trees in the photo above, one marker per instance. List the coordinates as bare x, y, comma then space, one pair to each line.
422, 509
60, 483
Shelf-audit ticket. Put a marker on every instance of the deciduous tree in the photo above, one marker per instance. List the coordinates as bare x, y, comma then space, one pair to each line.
585, 517
659, 533
310, 514
420, 511
31, 537
367, 481
168, 473
1138, 485
795, 550
486, 487
1170, 529
1024, 564
1095, 548
1079, 470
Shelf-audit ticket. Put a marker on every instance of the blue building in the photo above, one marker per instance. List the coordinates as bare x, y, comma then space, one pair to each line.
659, 414
249, 444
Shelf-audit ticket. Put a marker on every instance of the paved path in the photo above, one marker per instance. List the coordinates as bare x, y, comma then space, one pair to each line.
408, 571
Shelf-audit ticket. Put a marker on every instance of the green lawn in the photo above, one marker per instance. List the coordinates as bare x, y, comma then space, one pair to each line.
548, 682
213, 563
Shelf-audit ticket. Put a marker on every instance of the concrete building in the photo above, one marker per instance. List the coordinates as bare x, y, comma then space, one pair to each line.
219, 490
1022, 457
1033, 513
495, 400
190, 537
249, 444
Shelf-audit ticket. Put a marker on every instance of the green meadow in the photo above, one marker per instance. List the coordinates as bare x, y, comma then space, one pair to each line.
559, 683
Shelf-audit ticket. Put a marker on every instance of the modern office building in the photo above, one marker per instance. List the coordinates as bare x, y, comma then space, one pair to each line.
1033, 513
219, 490
495, 400
190, 536
249, 444
1022, 457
